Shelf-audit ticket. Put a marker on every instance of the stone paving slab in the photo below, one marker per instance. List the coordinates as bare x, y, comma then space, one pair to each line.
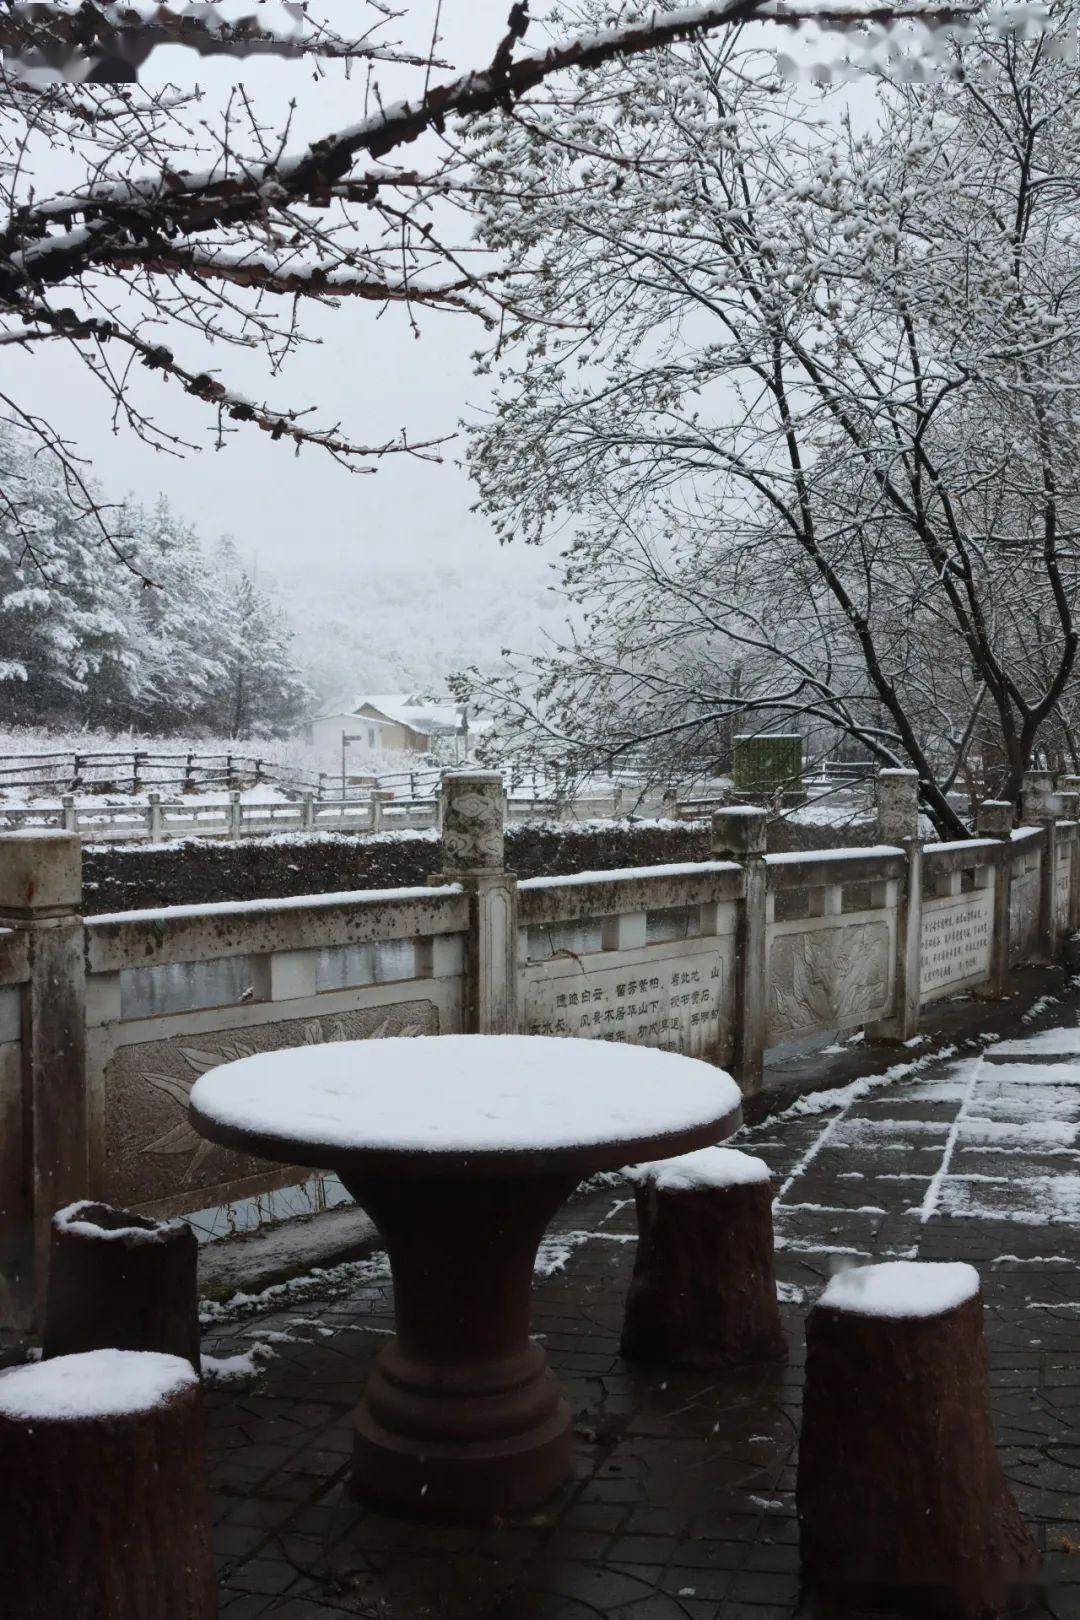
682, 1504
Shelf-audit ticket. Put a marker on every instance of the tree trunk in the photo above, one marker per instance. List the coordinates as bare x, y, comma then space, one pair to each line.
107, 1517
902, 1503
118, 1281
703, 1293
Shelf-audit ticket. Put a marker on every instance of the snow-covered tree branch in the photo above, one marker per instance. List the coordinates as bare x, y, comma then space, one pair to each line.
815, 421
180, 231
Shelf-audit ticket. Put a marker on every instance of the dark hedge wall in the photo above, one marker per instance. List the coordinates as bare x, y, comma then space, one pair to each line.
203, 870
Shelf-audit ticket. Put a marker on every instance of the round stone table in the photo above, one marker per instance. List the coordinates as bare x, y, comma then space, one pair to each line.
462, 1148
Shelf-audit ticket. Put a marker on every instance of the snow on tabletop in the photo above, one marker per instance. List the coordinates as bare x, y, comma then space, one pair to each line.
464, 1093
71, 1219
97, 1383
708, 1167
902, 1288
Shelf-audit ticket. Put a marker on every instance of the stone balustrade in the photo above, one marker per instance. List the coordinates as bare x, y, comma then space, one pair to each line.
106, 1022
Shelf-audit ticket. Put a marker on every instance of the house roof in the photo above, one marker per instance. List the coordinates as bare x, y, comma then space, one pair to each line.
413, 711
403, 709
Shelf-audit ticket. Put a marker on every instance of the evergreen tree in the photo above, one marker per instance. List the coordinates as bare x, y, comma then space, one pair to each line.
85, 640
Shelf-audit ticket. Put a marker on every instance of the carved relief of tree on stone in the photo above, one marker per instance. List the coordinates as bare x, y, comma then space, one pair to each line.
828, 977
153, 1150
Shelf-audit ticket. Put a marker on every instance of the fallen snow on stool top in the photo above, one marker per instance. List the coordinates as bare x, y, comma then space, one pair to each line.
708, 1167
902, 1288
464, 1093
98, 1383
77, 1218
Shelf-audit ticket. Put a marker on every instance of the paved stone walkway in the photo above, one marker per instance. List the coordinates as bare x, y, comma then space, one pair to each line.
682, 1503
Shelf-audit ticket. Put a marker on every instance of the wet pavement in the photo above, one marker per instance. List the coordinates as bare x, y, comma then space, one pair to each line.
682, 1504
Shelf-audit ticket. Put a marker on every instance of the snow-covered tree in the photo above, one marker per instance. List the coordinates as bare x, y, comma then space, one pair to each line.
178, 626
258, 690
63, 634
806, 397
83, 641
182, 226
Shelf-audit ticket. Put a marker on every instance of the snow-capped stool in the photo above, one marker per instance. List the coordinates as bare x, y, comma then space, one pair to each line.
119, 1281
703, 1293
104, 1511
902, 1503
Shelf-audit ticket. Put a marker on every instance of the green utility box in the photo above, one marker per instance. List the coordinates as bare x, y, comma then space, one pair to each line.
766, 764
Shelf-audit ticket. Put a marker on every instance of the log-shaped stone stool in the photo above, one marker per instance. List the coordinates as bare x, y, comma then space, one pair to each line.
703, 1293
902, 1503
104, 1511
121, 1282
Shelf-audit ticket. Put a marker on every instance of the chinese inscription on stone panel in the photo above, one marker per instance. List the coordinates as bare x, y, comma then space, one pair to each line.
956, 940
671, 1002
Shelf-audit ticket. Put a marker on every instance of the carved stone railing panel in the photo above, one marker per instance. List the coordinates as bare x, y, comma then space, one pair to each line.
1024, 911
1063, 877
829, 973
153, 1157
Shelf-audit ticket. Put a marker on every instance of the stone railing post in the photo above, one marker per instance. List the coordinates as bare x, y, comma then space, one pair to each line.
738, 834
994, 819
898, 824
1069, 794
307, 812
1039, 807
41, 896
379, 797
234, 815
154, 817
69, 816
473, 823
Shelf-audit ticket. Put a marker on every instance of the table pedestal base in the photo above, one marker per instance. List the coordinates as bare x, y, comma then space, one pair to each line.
462, 1419
449, 1456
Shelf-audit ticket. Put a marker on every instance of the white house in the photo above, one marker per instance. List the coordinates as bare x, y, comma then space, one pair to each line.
396, 722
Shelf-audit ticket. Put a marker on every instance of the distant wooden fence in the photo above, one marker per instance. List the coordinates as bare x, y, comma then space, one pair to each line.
160, 820
139, 771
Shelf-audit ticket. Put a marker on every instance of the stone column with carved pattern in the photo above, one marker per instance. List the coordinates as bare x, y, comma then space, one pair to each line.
738, 834
994, 819
473, 823
898, 825
41, 898
1040, 807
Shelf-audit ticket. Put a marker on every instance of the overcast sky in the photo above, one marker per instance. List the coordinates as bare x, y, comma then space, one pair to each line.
371, 374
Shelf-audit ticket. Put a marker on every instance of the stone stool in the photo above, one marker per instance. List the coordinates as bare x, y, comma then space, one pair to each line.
703, 1293
104, 1511
118, 1281
903, 1507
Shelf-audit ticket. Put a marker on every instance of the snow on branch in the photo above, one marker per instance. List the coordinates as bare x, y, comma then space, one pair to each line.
126, 211
113, 39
